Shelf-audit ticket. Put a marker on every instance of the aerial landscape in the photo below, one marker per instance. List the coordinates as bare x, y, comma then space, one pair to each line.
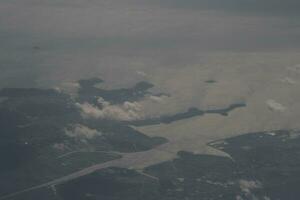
149, 100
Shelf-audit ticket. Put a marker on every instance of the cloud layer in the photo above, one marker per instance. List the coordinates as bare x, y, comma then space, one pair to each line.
273, 7
275, 106
82, 132
127, 111
48, 39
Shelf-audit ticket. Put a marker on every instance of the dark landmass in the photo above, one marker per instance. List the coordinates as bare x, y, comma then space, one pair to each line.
115, 183
252, 172
27, 92
33, 125
88, 92
210, 81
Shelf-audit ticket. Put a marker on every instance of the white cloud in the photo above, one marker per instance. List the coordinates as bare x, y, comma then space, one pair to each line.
70, 86
238, 197
83, 132
289, 80
295, 68
127, 111
246, 185
59, 146
141, 73
271, 133
266, 198
275, 106
158, 99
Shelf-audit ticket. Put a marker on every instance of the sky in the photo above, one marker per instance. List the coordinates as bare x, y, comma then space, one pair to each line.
47, 42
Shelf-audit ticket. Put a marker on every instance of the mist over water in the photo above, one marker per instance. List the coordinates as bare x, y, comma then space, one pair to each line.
44, 43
